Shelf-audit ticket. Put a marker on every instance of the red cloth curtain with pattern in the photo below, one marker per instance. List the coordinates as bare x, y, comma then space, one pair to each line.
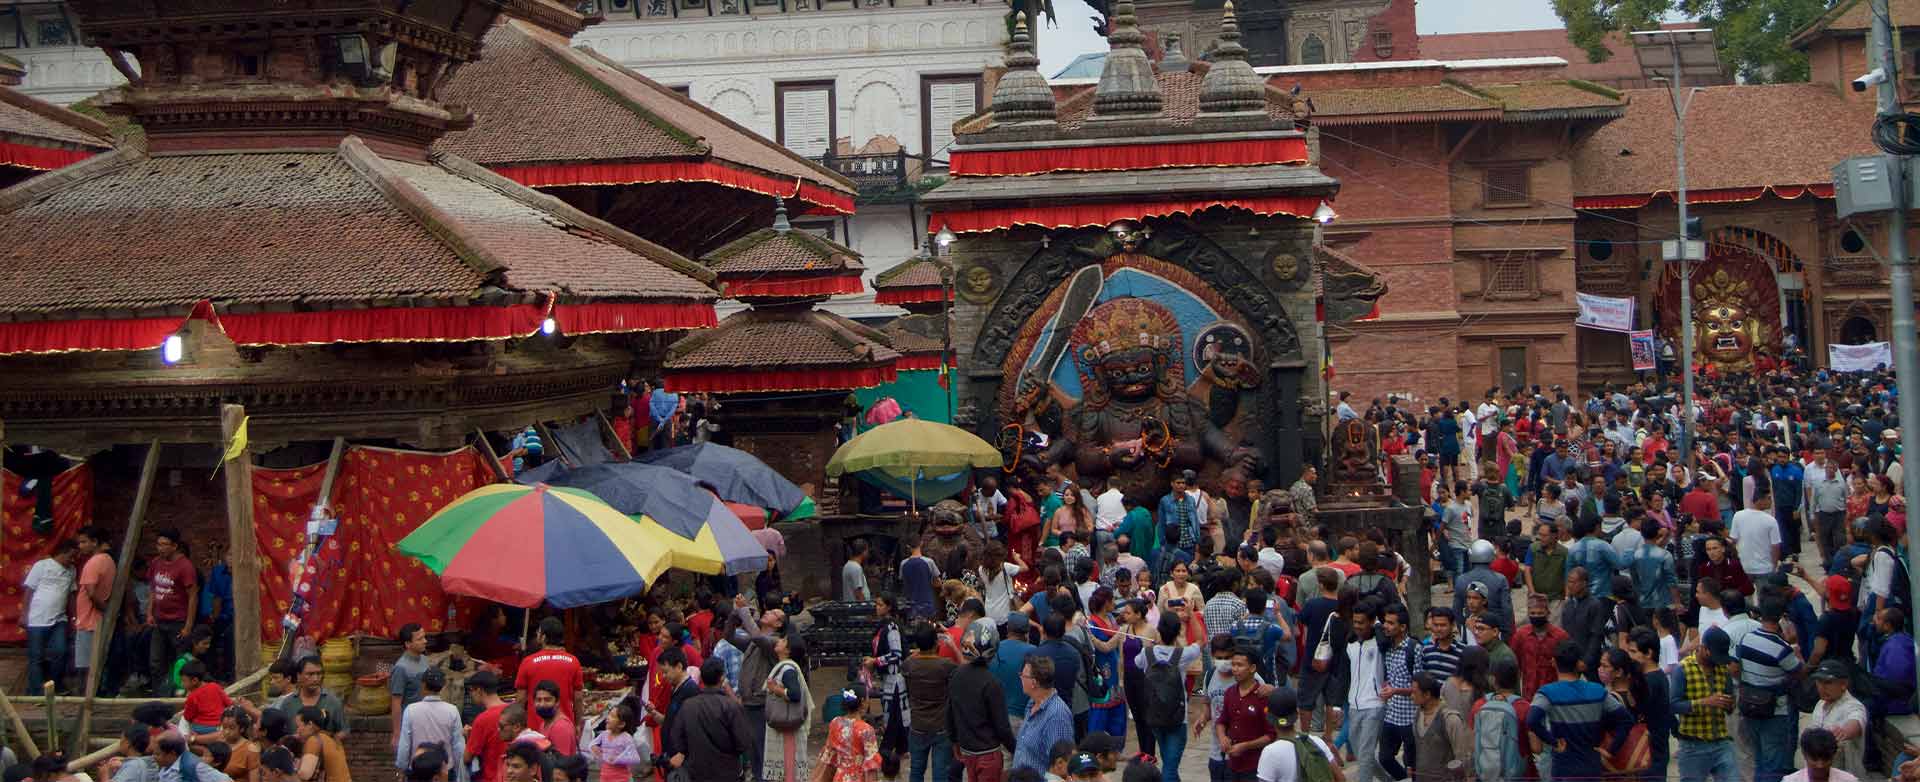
72, 509
379, 497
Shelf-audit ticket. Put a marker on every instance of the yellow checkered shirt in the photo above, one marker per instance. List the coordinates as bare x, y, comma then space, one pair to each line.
1703, 722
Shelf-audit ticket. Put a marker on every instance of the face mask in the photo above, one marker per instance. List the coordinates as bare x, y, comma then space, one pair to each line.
1537, 621
1606, 675
546, 712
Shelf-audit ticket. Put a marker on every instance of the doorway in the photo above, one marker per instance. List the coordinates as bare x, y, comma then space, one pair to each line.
1513, 368
1858, 331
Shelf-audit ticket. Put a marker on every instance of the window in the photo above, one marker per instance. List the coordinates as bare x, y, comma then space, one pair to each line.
1383, 44
804, 117
1600, 249
1509, 277
1508, 185
1313, 51
12, 36
1513, 367
52, 30
685, 90
945, 100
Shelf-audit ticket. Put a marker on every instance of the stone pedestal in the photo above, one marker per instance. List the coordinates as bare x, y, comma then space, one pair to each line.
1402, 525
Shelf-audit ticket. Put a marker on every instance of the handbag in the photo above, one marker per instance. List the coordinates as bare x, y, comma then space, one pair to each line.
1323, 651
1634, 757
1756, 702
784, 714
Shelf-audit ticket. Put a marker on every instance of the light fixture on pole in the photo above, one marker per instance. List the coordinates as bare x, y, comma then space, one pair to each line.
944, 239
1324, 214
549, 327
173, 349
1671, 56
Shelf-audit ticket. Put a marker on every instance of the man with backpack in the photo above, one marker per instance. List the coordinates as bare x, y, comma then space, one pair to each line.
1652, 567
1067, 668
977, 707
1442, 745
1401, 653
1166, 707
1258, 635
1292, 756
1498, 751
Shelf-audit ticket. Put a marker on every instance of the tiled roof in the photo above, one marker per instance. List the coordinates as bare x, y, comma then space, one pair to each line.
782, 337
1853, 16
1526, 100
905, 340
1562, 96
124, 231
29, 120
1536, 43
1180, 104
911, 273
612, 113
1399, 100
770, 250
1807, 129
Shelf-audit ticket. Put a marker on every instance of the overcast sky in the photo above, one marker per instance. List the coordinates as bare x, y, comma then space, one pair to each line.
1075, 35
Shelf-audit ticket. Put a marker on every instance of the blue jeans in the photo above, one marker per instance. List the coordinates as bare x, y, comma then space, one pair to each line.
919, 747
1111, 720
1173, 744
1700, 759
1773, 740
46, 655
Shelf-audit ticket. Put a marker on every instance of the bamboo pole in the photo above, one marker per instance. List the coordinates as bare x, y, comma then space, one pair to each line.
548, 441
334, 458
53, 716
614, 435
122, 576
102, 754
19, 725
493, 457
243, 546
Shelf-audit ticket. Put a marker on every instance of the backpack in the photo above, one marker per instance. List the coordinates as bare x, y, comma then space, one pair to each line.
1166, 691
1313, 764
1898, 596
1092, 681
1496, 741
1249, 636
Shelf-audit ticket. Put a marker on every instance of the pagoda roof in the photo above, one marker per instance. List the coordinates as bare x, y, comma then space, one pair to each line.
785, 262
918, 280
548, 115
38, 136
318, 246
788, 348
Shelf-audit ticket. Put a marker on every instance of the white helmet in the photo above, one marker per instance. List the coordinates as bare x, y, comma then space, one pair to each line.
1481, 552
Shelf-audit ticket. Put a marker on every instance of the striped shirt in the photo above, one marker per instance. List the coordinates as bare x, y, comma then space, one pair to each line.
1766, 661
1437, 661
1695, 721
1400, 707
1580, 713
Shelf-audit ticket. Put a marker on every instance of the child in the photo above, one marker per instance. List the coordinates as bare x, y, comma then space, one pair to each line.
614, 749
570, 768
276, 765
207, 702
197, 645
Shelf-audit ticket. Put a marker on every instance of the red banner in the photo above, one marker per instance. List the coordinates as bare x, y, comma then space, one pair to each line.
72, 509
1129, 157
1723, 195
40, 158
923, 294
596, 174
919, 361
979, 220
729, 381
795, 285
380, 496
86, 335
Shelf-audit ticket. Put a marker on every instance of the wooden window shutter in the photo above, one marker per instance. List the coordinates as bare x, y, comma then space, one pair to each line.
1509, 185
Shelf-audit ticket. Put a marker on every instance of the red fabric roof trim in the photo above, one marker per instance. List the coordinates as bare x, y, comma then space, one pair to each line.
794, 285
625, 317
1724, 195
385, 324
921, 361
913, 295
89, 335
744, 381
573, 174
979, 220
40, 158
1129, 157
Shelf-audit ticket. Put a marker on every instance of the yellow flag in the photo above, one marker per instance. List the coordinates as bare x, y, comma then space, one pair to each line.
238, 445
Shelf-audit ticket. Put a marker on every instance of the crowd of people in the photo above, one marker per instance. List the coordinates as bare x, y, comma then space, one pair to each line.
1604, 607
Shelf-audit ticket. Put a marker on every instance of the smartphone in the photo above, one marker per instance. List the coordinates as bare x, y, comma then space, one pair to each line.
1176, 602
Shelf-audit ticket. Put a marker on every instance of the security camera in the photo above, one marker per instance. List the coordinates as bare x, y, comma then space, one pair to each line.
1869, 79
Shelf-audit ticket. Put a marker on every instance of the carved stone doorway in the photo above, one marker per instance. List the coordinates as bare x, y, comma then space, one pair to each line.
1858, 331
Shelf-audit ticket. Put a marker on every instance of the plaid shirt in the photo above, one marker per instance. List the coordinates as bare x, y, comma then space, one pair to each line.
1400, 707
1222, 611
1699, 722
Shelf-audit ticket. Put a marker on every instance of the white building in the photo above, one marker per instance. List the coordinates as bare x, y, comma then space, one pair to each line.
44, 38
872, 89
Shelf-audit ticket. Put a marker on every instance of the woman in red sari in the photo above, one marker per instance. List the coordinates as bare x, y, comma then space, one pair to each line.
1023, 524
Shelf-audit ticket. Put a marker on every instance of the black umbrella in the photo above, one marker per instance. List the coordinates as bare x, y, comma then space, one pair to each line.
737, 476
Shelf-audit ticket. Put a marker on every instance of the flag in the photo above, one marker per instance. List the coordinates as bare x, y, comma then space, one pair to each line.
943, 375
238, 445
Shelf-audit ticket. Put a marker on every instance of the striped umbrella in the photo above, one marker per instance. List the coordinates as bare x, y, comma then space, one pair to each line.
524, 545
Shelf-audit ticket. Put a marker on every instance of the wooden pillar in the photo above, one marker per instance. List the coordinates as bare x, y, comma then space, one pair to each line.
122, 576
243, 548
493, 459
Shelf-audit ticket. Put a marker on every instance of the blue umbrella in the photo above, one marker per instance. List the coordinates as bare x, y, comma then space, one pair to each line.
674, 500
735, 475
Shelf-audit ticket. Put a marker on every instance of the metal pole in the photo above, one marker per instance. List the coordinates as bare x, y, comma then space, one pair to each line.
1686, 267
1906, 363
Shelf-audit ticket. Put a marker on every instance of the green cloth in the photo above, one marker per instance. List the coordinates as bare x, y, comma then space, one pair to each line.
1142, 540
805, 510
917, 390
1047, 506
1550, 570
1498, 650
173, 677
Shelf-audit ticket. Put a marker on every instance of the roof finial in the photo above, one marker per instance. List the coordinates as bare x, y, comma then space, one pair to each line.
1022, 95
1231, 86
1127, 88
1172, 58
780, 215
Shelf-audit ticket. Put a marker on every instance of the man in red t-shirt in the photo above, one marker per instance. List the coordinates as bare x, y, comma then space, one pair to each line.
1701, 502
483, 739
172, 602
1243, 729
552, 663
